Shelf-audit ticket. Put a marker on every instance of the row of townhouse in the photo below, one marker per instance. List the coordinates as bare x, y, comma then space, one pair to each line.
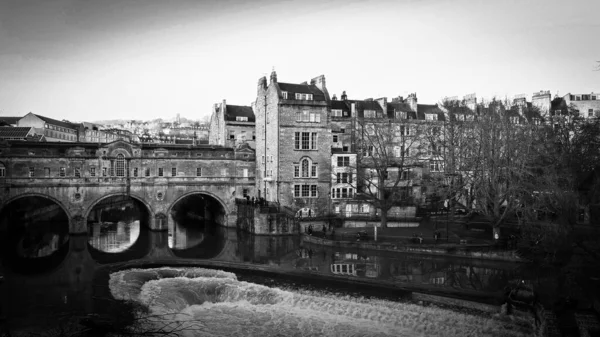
42, 128
315, 152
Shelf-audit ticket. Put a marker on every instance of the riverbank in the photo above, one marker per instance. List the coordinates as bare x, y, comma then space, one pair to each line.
476, 251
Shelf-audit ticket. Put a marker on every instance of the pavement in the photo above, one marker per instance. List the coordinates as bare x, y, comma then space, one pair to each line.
452, 230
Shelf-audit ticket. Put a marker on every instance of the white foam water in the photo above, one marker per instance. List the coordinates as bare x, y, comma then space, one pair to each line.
206, 302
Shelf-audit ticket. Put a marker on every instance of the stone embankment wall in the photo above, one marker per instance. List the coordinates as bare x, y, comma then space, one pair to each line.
265, 220
454, 250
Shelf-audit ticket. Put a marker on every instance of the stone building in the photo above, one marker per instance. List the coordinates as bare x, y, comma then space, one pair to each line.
232, 125
293, 143
53, 130
588, 105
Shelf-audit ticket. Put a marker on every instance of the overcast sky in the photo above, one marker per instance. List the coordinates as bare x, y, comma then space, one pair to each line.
86, 60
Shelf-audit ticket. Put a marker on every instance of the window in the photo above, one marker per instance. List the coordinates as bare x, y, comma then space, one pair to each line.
369, 113
241, 119
593, 98
284, 94
62, 172
335, 138
368, 151
224, 172
585, 97
198, 171
104, 170
514, 120
2, 171
343, 161
232, 135
405, 153
304, 165
147, 172
305, 140
435, 166
173, 171
245, 173
306, 116
31, 172
366, 208
135, 171
244, 192
431, 117
396, 151
345, 178
404, 175
160, 172
590, 112
77, 172
120, 165
400, 114
46, 172
336, 113
305, 191
433, 150
296, 171
404, 130
304, 97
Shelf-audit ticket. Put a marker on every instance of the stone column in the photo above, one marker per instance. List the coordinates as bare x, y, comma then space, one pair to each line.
77, 225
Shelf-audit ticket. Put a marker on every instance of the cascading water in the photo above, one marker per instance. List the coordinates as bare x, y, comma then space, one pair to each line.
210, 302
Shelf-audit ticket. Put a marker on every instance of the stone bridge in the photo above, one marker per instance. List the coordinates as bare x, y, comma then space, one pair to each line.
78, 176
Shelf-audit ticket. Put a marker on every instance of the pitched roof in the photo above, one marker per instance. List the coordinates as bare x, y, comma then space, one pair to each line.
318, 95
340, 105
57, 122
14, 132
400, 106
423, 109
233, 111
10, 120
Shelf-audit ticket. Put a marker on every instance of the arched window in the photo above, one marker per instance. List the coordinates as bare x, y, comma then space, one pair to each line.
305, 166
120, 165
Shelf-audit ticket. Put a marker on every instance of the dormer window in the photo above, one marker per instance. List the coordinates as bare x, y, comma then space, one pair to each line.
241, 119
336, 113
431, 117
400, 114
284, 94
369, 113
304, 97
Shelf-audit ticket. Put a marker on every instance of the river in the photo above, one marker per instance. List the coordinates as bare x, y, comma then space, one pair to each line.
53, 275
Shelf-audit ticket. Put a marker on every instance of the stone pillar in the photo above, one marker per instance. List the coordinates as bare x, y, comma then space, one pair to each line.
159, 222
77, 225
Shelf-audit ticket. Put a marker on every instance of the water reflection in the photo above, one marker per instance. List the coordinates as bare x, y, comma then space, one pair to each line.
184, 235
111, 237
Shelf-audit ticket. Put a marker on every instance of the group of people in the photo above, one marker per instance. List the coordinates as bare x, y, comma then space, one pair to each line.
256, 202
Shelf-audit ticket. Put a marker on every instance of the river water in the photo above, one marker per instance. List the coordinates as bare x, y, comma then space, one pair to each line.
225, 303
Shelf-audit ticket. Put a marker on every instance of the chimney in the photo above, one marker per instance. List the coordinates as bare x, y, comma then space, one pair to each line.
334, 98
412, 101
319, 82
262, 84
273, 76
344, 96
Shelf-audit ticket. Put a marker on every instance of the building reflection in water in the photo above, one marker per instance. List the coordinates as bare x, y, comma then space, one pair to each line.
36, 245
111, 237
184, 235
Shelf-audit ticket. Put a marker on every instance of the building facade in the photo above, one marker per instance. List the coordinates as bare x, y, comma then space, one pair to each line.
232, 125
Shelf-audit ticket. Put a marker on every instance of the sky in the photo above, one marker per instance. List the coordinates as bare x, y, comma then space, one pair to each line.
89, 60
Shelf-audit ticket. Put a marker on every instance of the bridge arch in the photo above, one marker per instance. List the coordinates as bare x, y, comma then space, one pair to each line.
212, 195
90, 208
41, 195
41, 245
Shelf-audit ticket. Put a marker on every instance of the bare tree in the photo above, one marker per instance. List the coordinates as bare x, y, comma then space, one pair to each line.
387, 154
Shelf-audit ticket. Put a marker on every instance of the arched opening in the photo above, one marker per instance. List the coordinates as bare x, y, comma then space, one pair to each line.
306, 212
118, 229
196, 229
34, 234
120, 165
